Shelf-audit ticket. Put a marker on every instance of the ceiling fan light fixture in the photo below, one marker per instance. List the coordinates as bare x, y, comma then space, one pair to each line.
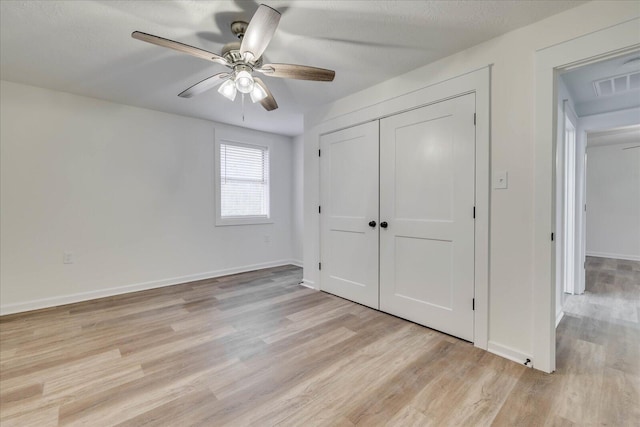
228, 90
258, 93
244, 82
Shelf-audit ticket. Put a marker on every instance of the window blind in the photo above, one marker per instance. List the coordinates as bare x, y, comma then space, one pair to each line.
244, 181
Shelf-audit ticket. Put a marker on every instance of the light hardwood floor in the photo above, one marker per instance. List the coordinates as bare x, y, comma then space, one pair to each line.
259, 349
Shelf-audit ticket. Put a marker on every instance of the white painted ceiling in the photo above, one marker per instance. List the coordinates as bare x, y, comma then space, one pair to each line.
85, 48
579, 83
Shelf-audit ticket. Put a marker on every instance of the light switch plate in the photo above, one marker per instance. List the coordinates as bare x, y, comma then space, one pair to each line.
500, 180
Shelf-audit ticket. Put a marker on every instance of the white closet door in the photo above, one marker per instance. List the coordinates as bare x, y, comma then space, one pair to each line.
427, 176
349, 200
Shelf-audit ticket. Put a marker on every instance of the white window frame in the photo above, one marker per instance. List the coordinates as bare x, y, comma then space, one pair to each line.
239, 220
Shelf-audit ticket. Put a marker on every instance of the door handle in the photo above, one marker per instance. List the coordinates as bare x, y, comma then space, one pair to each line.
372, 223
384, 224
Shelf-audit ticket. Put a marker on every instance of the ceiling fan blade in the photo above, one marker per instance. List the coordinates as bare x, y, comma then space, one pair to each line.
259, 32
205, 85
269, 103
181, 47
300, 72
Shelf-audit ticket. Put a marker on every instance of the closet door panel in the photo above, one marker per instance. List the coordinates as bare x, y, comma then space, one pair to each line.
427, 176
349, 196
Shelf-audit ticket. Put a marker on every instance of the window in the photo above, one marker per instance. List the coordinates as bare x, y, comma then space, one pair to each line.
243, 184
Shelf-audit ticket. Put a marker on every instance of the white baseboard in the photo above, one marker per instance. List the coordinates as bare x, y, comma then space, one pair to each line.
309, 284
509, 353
614, 256
559, 317
296, 262
108, 292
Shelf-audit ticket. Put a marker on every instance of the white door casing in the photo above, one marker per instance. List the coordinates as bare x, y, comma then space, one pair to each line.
569, 262
597, 45
349, 201
427, 194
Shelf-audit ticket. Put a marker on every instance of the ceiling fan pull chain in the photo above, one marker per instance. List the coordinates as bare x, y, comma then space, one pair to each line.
243, 107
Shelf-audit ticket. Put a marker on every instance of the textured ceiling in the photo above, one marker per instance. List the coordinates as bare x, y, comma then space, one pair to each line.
579, 83
84, 47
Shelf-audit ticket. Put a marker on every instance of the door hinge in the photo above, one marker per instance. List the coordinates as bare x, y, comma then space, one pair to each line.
474, 212
319, 209
552, 236
473, 304
319, 266
318, 153
474, 119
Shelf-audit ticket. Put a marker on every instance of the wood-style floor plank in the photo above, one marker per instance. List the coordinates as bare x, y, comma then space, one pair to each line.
258, 349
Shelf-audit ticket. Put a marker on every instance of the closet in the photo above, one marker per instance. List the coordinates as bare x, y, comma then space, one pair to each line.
397, 214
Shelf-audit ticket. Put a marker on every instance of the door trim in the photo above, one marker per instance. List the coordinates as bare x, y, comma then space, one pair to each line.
591, 47
478, 82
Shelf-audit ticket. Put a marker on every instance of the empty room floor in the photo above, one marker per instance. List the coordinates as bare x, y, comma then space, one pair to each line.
259, 349
612, 292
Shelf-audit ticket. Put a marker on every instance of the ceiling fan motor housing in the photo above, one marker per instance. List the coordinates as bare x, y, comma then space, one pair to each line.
231, 51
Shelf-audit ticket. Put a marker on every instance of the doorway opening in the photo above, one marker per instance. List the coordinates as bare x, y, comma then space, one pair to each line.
611, 233
598, 191
610, 42
597, 207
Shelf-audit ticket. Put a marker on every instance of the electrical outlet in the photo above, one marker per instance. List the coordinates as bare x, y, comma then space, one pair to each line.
67, 257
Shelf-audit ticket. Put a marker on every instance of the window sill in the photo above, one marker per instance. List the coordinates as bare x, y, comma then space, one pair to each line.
222, 222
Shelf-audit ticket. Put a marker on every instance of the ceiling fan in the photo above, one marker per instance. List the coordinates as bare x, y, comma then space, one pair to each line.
244, 58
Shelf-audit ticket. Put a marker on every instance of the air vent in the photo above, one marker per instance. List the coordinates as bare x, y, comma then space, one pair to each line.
617, 84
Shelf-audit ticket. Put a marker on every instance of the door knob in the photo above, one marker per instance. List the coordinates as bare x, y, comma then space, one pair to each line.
384, 224
372, 223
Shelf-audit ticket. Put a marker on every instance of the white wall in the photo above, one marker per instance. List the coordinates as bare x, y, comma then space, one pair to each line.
613, 201
129, 191
512, 150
